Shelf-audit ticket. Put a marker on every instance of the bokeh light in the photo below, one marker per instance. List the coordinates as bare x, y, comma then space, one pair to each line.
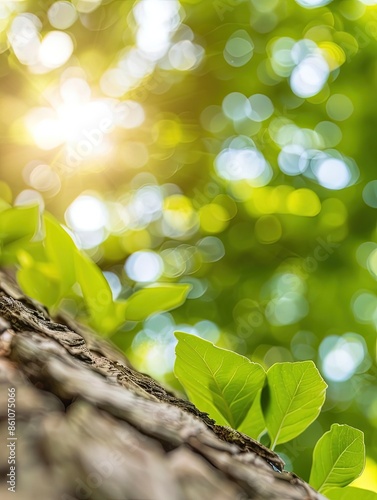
62, 15
341, 356
339, 107
86, 213
370, 194
157, 19
55, 49
241, 160
144, 266
87, 216
309, 76
333, 174
239, 49
311, 4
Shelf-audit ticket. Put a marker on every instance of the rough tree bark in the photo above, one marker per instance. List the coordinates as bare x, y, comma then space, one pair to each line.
89, 426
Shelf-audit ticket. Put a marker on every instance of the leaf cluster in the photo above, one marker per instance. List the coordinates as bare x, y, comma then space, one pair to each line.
51, 269
281, 402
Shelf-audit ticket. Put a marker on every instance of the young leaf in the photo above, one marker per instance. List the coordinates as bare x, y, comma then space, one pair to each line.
60, 250
338, 458
96, 292
297, 393
19, 222
219, 382
35, 283
17, 227
11, 251
154, 299
254, 424
350, 493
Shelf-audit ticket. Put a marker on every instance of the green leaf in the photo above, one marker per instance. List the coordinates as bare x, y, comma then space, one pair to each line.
19, 222
297, 392
55, 262
10, 252
150, 300
219, 382
350, 493
60, 250
96, 293
254, 424
338, 458
38, 284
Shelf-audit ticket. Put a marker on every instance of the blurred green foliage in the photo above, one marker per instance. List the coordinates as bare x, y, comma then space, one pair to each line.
54, 271
226, 144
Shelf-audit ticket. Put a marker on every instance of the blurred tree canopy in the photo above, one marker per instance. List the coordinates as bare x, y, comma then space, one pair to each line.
229, 144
